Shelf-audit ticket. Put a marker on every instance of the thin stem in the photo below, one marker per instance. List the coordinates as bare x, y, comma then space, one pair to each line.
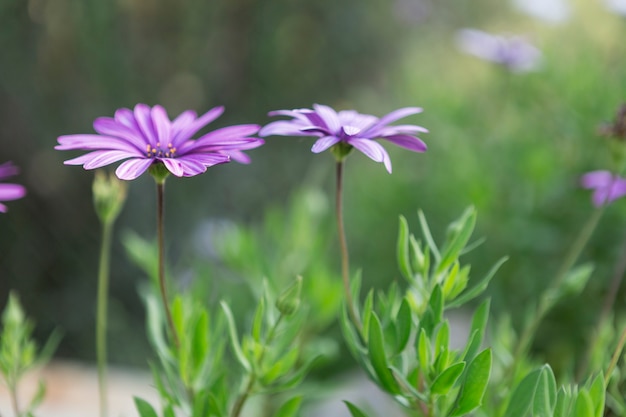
241, 400
607, 306
161, 243
14, 400
546, 299
616, 355
345, 262
101, 315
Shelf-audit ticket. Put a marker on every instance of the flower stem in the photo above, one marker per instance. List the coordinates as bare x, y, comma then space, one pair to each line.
345, 262
546, 299
101, 315
616, 355
161, 244
252, 378
607, 306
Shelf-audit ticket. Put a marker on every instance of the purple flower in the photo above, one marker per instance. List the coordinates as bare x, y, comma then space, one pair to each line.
514, 52
146, 136
606, 185
616, 6
349, 128
9, 192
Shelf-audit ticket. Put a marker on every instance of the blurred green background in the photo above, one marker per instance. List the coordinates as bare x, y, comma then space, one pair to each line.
514, 145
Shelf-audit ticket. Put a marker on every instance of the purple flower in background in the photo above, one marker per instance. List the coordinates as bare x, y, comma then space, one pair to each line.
616, 6
550, 11
606, 185
514, 52
9, 192
349, 128
146, 136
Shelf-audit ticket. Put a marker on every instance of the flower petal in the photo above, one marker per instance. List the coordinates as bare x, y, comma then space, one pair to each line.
11, 192
173, 166
408, 142
131, 169
144, 121
3, 208
162, 125
186, 132
99, 142
324, 143
329, 116
372, 150
283, 128
238, 156
107, 126
105, 158
596, 179
372, 131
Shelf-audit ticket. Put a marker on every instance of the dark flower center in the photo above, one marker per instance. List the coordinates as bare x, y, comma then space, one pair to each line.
159, 152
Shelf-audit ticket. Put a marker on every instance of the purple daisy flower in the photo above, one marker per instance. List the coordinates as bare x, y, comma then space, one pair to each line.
9, 192
607, 186
350, 128
145, 136
512, 52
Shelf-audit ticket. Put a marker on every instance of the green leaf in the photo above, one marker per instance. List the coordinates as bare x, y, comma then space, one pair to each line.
462, 230
561, 409
477, 330
378, 357
402, 249
523, 396
144, 408
404, 381
232, 329
442, 341
597, 393
404, 324
474, 385
584, 405
436, 304
576, 279
423, 352
477, 289
421, 259
445, 380
257, 322
428, 237
368, 305
545, 393
354, 410
289, 408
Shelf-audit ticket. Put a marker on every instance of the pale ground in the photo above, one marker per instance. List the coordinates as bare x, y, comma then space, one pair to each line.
72, 389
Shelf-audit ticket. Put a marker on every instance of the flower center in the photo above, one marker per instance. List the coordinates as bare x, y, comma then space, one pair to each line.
159, 152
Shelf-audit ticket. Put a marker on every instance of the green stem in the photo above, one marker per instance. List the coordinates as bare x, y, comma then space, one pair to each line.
607, 306
345, 262
101, 315
161, 244
546, 299
616, 355
252, 378
14, 400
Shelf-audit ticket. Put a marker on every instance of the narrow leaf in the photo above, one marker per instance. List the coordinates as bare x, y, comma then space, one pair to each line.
584, 405
522, 397
290, 408
477, 289
144, 408
402, 249
465, 227
428, 237
445, 380
475, 384
232, 329
354, 410
378, 357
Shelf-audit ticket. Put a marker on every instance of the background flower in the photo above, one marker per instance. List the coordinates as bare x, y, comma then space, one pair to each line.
513, 52
9, 192
146, 136
350, 127
607, 186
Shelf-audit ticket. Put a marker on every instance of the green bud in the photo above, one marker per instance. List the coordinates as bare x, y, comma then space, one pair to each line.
109, 195
159, 172
341, 150
289, 300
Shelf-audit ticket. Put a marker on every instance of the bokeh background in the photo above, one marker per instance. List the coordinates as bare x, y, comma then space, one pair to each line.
512, 144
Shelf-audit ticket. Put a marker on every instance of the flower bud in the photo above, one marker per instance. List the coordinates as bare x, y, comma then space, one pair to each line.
109, 195
289, 301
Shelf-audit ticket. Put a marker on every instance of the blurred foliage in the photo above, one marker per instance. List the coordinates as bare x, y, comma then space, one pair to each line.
513, 145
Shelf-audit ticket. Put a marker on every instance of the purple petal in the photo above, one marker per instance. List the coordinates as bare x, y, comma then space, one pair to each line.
11, 192
131, 169
183, 119
238, 156
408, 142
329, 116
106, 158
372, 131
3, 208
110, 127
99, 142
186, 132
372, 150
162, 125
173, 166
282, 128
126, 117
226, 134
144, 120
8, 170
402, 130
192, 168
324, 143
596, 179
207, 159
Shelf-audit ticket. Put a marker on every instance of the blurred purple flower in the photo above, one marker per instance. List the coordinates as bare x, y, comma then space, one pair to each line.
606, 185
146, 136
9, 192
514, 52
616, 6
350, 128
550, 11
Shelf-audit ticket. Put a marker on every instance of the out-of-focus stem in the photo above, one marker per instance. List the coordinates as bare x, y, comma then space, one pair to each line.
616, 355
345, 262
14, 400
101, 315
545, 301
161, 244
